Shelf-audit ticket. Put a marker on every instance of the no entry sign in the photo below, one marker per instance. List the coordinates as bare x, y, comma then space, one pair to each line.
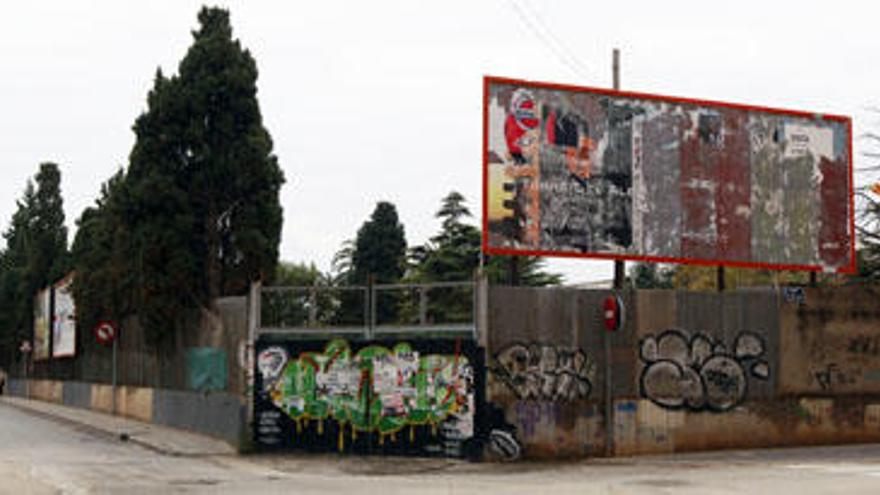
105, 332
613, 312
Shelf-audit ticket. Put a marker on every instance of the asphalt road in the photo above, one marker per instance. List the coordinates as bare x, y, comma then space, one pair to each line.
40, 455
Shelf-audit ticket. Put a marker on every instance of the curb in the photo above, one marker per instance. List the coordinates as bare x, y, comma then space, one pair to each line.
22, 404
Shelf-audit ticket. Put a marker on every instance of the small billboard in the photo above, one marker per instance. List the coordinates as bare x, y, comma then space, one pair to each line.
63, 319
42, 303
585, 172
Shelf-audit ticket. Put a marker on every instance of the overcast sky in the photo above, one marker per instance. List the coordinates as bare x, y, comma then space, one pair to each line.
380, 100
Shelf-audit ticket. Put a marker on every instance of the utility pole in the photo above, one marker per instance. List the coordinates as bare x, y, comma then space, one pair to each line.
619, 274
619, 265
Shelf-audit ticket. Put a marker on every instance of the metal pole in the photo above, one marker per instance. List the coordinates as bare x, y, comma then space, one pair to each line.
619, 266
719, 280
113, 375
619, 275
27, 383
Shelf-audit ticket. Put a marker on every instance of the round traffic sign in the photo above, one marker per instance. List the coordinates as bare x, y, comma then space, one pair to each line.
613, 312
105, 332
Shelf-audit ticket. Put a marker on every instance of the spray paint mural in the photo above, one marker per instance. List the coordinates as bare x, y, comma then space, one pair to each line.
585, 172
545, 372
395, 397
698, 372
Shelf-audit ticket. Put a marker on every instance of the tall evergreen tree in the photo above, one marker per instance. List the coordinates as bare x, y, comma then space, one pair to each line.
197, 214
453, 254
35, 255
380, 247
378, 255
104, 285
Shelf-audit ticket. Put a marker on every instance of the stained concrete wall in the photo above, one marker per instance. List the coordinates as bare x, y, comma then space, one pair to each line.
545, 380
215, 414
690, 371
831, 342
142, 364
218, 414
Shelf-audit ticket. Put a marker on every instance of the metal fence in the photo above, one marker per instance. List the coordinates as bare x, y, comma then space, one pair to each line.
369, 310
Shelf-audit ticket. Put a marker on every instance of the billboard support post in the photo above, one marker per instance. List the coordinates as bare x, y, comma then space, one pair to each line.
619, 267
619, 275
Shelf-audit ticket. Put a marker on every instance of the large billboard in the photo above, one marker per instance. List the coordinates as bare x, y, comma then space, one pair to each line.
63, 319
42, 303
585, 172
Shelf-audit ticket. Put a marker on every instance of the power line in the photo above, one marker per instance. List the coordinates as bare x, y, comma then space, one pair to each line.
548, 41
550, 33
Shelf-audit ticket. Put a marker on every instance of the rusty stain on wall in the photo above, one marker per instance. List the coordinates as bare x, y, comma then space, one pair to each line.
586, 172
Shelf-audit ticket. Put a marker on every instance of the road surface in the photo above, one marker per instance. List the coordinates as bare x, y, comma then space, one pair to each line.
42, 455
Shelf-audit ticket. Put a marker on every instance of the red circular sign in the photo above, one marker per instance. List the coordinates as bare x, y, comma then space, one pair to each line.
613, 312
105, 332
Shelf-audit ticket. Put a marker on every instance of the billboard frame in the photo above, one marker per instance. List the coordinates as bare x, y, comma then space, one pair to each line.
487, 249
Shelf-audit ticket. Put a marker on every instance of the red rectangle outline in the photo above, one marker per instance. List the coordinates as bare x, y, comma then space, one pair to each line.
488, 80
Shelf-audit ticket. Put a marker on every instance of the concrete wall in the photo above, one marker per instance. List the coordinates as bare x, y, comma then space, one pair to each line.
217, 414
689, 371
143, 364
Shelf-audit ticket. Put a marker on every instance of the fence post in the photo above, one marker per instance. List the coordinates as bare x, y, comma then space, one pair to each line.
423, 305
253, 322
313, 306
371, 305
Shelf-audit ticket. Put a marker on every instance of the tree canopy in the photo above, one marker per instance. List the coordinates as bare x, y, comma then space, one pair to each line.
196, 215
35, 256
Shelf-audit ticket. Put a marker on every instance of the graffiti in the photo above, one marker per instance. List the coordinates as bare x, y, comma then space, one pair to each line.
529, 415
502, 435
504, 444
545, 372
794, 295
271, 362
699, 372
865, 345
376, 390
832, 375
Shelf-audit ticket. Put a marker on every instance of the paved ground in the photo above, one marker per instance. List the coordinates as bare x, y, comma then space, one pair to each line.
42, 452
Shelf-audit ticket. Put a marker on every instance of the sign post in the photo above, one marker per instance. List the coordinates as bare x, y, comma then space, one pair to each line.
26, 352
105, 333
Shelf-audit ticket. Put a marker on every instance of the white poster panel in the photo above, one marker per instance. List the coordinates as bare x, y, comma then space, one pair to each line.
64, 320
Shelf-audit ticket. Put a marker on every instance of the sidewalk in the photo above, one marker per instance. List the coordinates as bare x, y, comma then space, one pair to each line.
161, 439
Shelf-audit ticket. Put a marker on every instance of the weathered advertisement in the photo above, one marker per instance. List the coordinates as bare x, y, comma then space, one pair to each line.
417, 398
42, 316
63, 319
594, 173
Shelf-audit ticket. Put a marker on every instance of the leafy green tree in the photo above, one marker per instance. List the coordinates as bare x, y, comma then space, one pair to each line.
305, 297
454, 253
651, 276
868, 228
705, 278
